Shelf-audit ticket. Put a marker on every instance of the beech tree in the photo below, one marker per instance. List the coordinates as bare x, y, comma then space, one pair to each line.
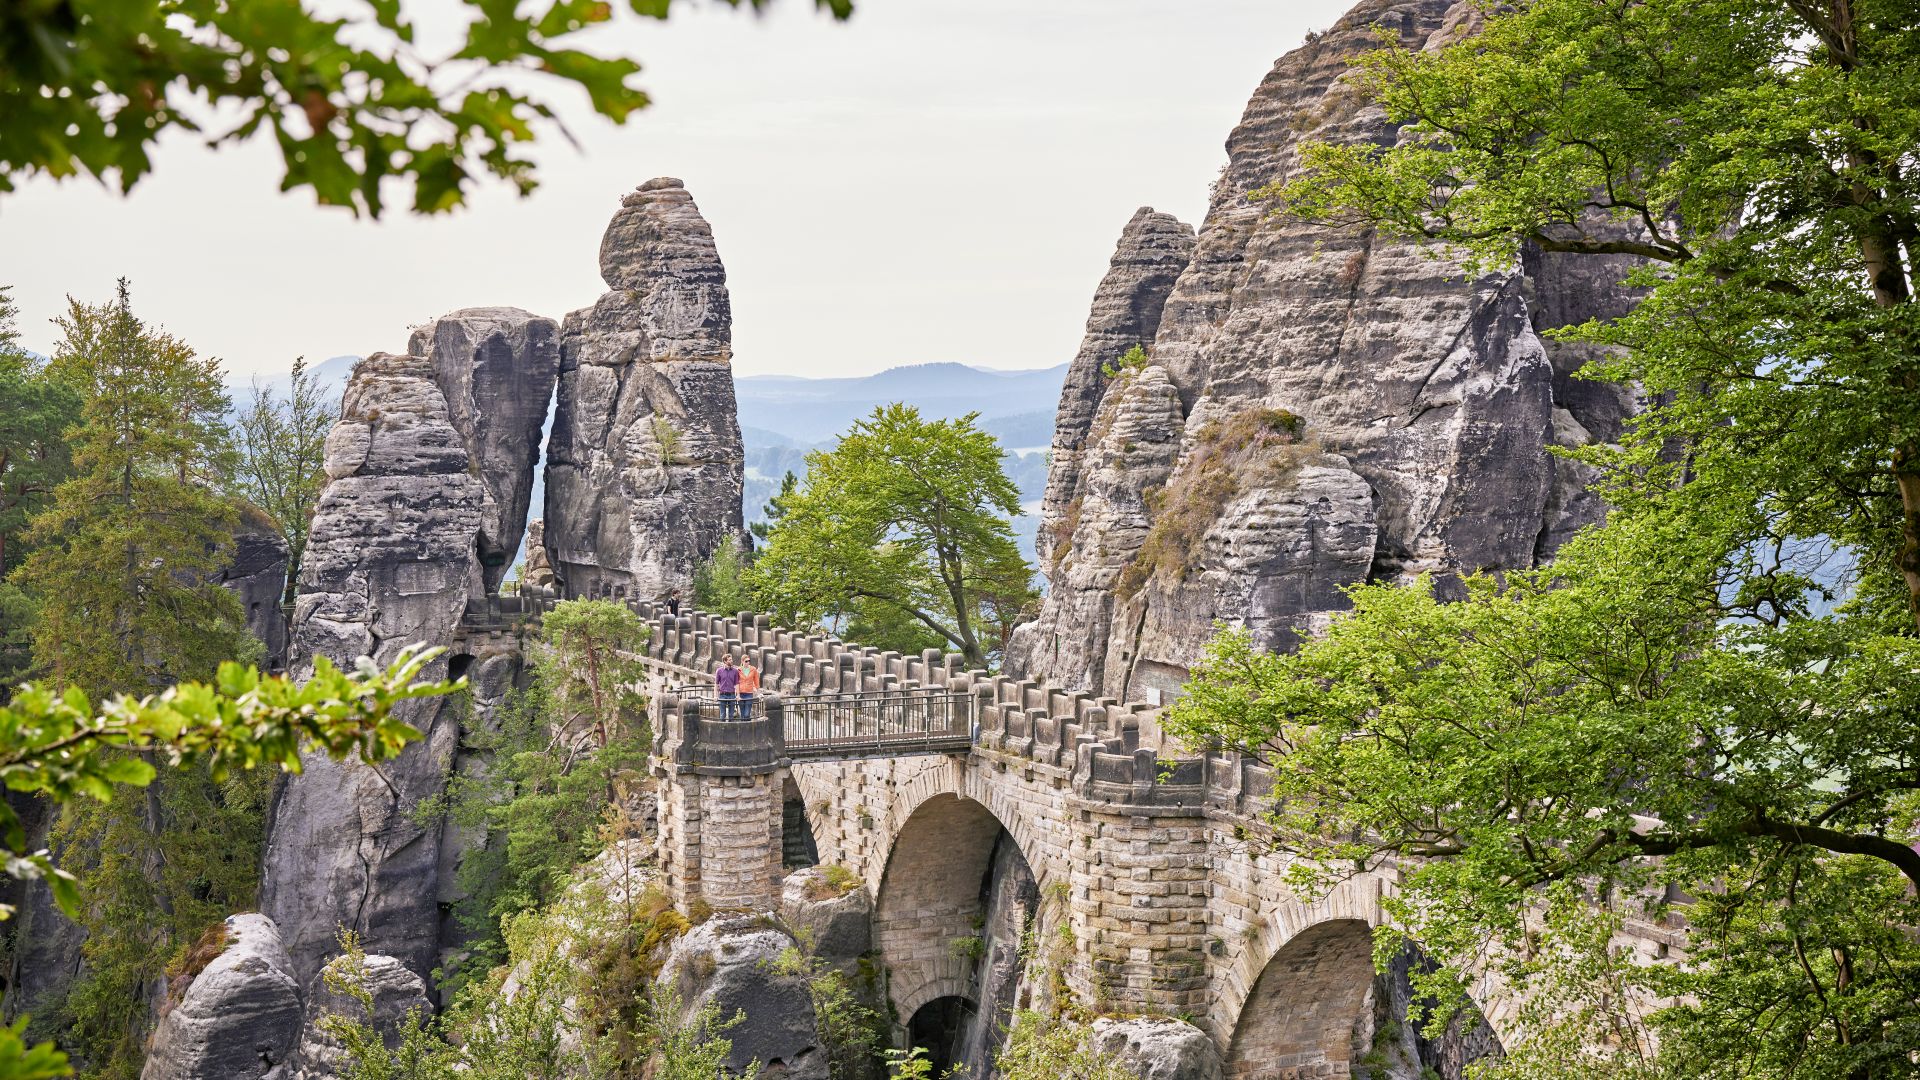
1709, 707
89, 86
904, 526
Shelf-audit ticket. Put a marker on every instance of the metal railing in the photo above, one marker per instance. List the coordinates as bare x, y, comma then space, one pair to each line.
919, 720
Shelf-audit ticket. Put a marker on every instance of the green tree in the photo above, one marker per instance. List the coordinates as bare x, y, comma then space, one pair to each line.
282, 457
65, 748
35, 411
1595, 742
128, 548
775, 509
1711, 699
1759, 155
354, 102
720, 582
904, 523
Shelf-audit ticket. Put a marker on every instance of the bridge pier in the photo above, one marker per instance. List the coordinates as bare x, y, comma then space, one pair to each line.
720, 787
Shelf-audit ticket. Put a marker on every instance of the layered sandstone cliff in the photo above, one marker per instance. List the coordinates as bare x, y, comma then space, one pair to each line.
390, 561
645, 466
1322, 407
496, 366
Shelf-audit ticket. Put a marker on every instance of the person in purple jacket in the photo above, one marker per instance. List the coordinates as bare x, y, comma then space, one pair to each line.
726, 683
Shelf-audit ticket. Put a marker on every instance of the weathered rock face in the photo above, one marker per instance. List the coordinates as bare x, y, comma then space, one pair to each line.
258, 576
727, 962
239, 1017
496, 366
838, 925
1153, 250
537, 572
645, 468
390, 561
395, 991
1158, 1048
1329, 406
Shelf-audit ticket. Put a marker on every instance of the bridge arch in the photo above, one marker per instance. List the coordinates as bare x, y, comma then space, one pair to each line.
1305, 1000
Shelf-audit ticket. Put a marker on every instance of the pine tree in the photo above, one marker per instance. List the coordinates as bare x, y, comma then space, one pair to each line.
34, 412
129, 545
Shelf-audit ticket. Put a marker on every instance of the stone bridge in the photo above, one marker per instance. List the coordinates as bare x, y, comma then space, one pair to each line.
1151, 895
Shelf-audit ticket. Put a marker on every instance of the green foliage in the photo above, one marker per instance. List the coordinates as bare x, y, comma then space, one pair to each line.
1134, 359
1042, 1047
126, 554
282, 444
156, 867
775, 509
34, 411
1760, 764
223, 735
1758, 154
562, 749
353, 102
903, 530
720, 582
553, 1025
852, 1031
1713, 697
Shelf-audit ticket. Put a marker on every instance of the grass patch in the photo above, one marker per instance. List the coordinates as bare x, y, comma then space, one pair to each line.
1263, 445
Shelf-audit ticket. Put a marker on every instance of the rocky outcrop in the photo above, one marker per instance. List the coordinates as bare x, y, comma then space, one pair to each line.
537, 572
496, 366
835, 923
1338, 407
644, 470
258, 577
238, 1018
390, 561
394, 991
1158, 1048
1153, 250
728, 962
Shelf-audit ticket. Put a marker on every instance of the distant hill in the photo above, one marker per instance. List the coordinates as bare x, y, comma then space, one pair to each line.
815, 410
330, 374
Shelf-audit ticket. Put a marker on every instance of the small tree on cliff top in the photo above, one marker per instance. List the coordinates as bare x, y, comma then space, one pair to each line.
907, 521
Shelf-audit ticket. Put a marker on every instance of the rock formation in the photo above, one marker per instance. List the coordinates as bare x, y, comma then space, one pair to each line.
537, 573
496, 366
1322, 407
258, 576
644, 469
837, 923
1158, 1048
237, 1019
728, 962
395, 991
1153, 250
390, 561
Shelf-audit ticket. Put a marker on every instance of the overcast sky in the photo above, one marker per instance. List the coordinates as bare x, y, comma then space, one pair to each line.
933, 180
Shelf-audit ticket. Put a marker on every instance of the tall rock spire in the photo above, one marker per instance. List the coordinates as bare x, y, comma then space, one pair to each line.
644, 468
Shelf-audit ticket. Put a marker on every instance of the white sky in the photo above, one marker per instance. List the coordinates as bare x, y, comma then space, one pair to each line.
933, 180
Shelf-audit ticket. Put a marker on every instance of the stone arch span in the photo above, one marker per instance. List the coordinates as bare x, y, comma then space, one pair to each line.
1305, 1001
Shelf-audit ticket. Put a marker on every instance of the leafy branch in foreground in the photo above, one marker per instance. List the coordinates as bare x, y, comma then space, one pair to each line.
89, 87
52, 744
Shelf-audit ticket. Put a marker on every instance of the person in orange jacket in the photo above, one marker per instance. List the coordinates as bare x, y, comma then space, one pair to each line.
749, 686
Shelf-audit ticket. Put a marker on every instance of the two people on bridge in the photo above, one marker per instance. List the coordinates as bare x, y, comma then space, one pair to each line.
736, 687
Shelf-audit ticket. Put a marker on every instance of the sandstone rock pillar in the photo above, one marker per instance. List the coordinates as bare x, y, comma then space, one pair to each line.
644, 469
